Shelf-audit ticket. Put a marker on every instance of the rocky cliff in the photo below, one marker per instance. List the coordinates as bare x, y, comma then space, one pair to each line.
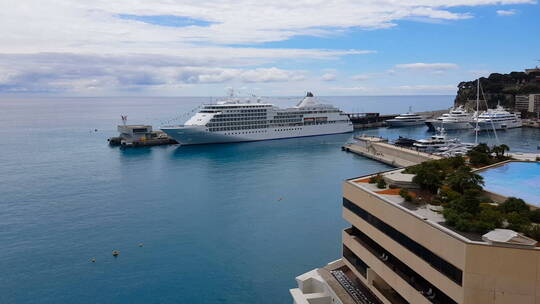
498, 88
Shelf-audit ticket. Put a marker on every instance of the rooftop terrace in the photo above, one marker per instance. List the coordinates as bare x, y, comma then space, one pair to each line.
428, 213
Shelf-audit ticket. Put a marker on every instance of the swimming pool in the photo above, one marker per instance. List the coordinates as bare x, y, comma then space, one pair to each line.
518, 179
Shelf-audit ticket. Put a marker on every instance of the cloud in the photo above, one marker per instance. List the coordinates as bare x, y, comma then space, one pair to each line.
49, 73
506, 12
360, 77
139, 26
434, 67
72, 44
329, 77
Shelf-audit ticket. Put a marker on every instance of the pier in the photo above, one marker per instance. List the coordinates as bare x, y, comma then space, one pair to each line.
380, 150
140, 136
375, 120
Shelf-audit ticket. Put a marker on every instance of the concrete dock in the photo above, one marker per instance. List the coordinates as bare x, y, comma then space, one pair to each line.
379, 149
375, 120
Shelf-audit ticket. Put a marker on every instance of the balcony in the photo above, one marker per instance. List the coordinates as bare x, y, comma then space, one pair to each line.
418, 283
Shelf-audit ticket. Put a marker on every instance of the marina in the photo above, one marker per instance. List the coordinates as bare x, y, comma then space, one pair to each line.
91, 198
313, 152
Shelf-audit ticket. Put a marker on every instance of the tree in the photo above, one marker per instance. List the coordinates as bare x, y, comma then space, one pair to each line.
464, 179
513, 204
504, 148
428, 177
518, 221
467, 203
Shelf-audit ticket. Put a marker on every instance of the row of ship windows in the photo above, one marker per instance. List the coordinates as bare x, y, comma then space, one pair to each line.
238, 123
237, 119
232, 107
238, 128
248, 132
278, 122
242, 115
251, 132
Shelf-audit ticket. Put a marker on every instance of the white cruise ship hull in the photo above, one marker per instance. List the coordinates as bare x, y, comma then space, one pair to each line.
196, 135
498, 125
402, 123
434, 124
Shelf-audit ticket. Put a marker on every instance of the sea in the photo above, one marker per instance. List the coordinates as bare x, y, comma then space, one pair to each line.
227, 223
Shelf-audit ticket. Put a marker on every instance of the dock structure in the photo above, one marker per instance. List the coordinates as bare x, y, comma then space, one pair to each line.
368, 120
375, 120
380, 150
140, 135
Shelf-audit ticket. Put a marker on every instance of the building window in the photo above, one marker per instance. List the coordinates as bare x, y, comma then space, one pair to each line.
416, 281
355, 261
452, 272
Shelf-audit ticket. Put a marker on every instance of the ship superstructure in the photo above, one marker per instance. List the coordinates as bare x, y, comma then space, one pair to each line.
497, 119
457, 119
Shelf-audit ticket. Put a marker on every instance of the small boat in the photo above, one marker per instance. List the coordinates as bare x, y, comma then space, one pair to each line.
404, 142
435, 142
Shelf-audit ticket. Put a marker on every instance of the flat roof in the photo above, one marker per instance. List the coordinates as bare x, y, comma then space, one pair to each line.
430, 214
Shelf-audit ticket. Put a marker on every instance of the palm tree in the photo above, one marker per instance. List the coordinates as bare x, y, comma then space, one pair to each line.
496, 150
504, 148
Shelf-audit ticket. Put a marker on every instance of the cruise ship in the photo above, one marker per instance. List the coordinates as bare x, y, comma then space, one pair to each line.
406, 120
236, 120
498, 119
457, 119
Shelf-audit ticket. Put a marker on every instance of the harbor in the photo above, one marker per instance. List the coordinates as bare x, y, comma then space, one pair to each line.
379, 149
165, 197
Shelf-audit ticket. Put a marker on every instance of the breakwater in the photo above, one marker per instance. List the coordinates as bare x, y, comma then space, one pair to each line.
380, 150
375, 120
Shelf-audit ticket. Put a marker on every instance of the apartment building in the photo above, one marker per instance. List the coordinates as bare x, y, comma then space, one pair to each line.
399, 252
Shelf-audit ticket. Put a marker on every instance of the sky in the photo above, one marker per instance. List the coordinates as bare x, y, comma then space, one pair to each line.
265, 48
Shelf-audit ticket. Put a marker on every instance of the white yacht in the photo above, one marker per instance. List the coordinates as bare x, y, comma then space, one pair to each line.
457, 119
405, 120
435, 142
498, 119
236, 120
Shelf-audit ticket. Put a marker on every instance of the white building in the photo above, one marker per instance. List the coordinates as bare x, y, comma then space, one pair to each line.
529, 103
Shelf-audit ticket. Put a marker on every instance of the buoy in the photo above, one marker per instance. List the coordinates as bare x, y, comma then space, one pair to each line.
115, 253
141, 244
279, 199
93, 260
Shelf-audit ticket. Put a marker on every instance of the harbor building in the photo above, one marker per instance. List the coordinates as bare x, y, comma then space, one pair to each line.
529, 103
400, 252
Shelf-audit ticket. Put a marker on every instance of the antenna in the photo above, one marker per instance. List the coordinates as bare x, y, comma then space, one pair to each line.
477, 111
124, 119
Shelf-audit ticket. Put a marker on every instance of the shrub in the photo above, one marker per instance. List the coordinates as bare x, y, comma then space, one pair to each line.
375, 179
513, 204
491, 217
405, 194
534, 216
464, 179
467, 203
451, 216
534, 232
518, 221
381, 184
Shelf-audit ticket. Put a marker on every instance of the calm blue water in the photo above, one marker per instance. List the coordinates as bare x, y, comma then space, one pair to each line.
516, 179
210, 217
